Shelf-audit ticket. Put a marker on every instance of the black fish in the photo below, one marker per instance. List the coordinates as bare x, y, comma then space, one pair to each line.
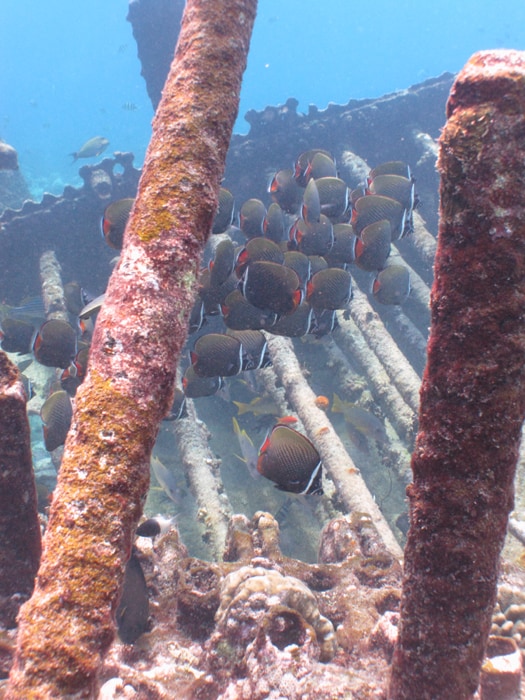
322, 165
391, 167
76, 297
273, 287
323, 322
73, 376
285, 191
56, 414
114, 221
392, 285
148, 528
296, 324
317, 262
311, 208
178, 406
375, 207
273, 224
333, 196
224, 215
216, 355
254, 348
291, 461
396, 186
223, 262
197, 317
373, 248
55, 344
300, 264
195, 387
16, 336
240, 315
251, 218
303, 165
312, 239
329, 289
258, 248
213, 296
133, 609
343, 250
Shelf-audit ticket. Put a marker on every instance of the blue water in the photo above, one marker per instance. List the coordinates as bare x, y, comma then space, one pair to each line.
69, 67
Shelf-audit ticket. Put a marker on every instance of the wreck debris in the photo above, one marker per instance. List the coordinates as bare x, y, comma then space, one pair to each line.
19, 526
401, 415
156, 26
473, 393
67, 625
69, 225
401, 374
349, 484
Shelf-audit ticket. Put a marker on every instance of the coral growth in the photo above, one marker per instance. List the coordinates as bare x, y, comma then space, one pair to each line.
261, 624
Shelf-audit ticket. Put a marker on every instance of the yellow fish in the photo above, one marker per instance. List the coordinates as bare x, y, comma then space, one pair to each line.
260, 406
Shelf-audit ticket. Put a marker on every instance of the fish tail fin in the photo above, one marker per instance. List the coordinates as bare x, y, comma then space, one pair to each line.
242, 407
74, 156
337, 405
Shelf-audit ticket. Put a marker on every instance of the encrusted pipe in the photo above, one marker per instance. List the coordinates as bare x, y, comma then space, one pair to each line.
383, 346
350, 486
473, 392
203, 473
19, 526
52, 288
67, 626
423, 242
348, 336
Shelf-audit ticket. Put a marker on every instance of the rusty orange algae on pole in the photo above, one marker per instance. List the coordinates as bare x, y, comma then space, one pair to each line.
19, 526
473, 392
68, 624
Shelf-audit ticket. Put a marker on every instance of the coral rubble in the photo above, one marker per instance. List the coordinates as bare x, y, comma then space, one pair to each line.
473, 392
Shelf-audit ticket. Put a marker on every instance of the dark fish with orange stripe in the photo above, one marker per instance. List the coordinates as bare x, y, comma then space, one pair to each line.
291, 461
196, 387
216, 355
56, 414
285, 191
16, 335
373, 248
392, 285
251, 217
375, 207
114, 221
273, 224
272, 287
55, 344
224, 214
329, 289
304, 165
239, 314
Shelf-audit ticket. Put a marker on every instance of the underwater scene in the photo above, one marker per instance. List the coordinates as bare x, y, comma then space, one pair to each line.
265, 559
